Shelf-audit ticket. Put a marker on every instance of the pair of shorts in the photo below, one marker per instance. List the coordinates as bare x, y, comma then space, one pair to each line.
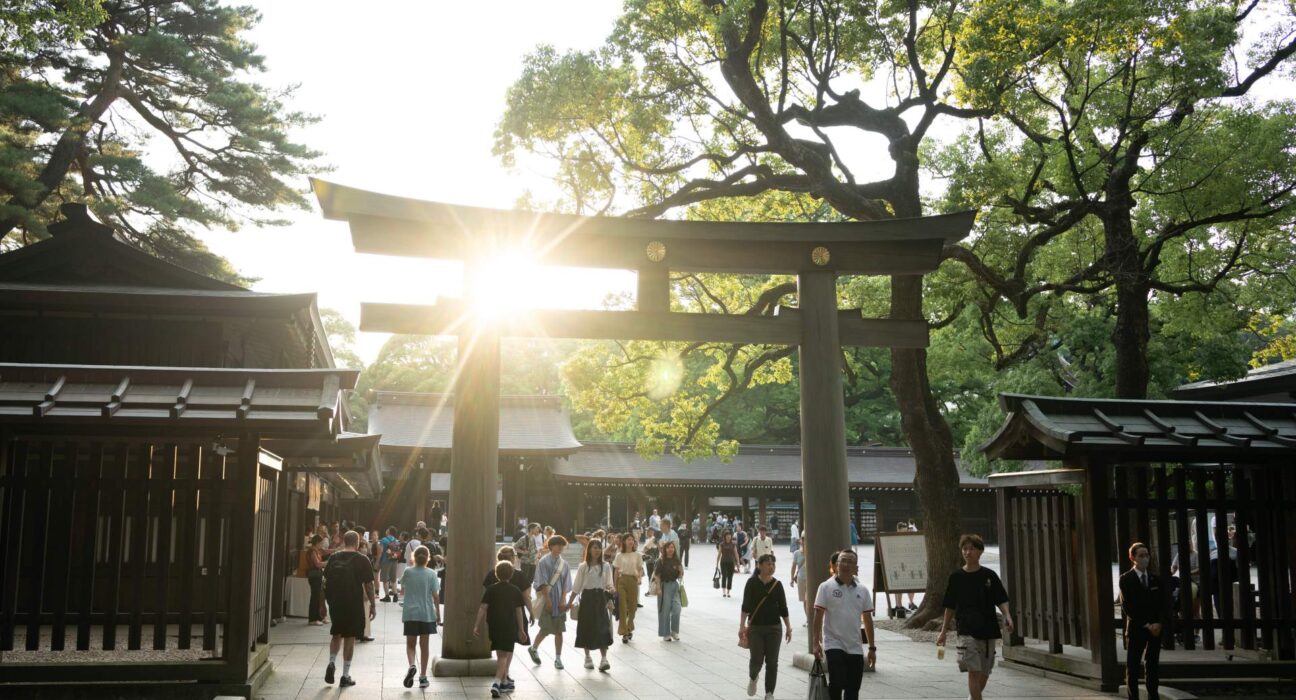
976, 655
552, 625
389, 571
414, 628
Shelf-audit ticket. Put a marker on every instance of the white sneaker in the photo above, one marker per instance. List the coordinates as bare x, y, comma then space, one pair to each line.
589, 663
769, 696
751, 688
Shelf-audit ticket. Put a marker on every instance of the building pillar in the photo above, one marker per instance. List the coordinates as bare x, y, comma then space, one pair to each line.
762, 518
473, 462
823, 421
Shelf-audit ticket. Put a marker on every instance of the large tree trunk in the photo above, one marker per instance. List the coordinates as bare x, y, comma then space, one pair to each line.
1131, 333
936, 478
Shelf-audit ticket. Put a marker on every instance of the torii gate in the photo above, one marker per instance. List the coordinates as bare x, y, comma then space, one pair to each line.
817, 253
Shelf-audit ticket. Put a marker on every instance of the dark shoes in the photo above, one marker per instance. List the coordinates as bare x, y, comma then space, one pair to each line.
328, 673
409, 677
346, 682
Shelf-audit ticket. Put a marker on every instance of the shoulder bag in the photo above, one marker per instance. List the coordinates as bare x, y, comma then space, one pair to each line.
542, 600
742, 638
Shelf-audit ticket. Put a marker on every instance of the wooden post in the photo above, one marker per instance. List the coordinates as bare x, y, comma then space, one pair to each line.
241, 492
1096, 531
654, 288
283, 543
823, 422
762, 519
473, 461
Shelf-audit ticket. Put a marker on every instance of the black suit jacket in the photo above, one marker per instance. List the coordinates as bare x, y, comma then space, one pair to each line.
1143, 605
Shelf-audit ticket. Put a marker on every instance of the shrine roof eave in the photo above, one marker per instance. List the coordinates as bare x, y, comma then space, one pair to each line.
1117, 430
386, 224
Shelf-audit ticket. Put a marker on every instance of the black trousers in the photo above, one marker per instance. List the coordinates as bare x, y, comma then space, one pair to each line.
1142, 656
316, 580
845, 673
684, 548
726, 575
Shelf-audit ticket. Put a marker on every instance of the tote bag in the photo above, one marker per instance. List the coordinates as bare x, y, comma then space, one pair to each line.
818, 682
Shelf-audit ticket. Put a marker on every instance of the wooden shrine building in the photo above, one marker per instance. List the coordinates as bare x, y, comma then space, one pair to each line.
159, 433
546, 475
1172, 474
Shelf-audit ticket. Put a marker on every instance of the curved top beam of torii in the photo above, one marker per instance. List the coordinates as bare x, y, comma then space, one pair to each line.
391, 225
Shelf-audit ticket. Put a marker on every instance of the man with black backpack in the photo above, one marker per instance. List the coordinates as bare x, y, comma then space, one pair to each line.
348, 581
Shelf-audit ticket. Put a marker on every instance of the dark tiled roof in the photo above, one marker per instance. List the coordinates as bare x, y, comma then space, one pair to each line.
292, 403
760, 466
1040, 427
529, 425
1275, 382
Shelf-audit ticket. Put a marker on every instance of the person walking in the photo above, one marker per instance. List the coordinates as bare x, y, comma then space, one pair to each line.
552, 580
743, 540
528, 548
668, 534
726, 562
594, 586
501, 608
971, 596
763, 544
800, 580
796, 535
764, 603
669, 590
422, 610
315, 577
1146, 610
685, 540
841, 604
390, 549
629, 565
654, 523
651, 552
520, 582
348, 582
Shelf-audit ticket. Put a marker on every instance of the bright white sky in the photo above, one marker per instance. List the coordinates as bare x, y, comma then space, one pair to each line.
410, 93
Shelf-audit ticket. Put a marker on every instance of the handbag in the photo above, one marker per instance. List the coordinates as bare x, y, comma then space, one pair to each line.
818, 682
742, 638
683, 596
715, 578
575, 610
538, 605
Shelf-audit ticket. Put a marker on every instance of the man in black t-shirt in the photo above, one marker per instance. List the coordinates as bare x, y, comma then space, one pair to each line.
348, 580
971, 597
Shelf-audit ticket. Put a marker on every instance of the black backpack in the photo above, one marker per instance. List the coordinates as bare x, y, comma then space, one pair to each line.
340, 578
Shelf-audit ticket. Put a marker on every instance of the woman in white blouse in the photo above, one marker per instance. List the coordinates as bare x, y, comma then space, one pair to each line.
593, 622
629, 565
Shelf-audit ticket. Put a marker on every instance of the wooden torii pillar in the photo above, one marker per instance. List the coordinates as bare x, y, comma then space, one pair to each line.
817, 253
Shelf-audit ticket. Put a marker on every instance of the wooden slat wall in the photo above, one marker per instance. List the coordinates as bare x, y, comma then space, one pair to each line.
1177, 511
97, 533
1043, 567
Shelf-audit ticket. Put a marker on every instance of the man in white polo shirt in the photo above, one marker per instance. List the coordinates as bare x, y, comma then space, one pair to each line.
841, 604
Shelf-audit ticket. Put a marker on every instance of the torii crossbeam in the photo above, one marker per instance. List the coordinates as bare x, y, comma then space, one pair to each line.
817, 253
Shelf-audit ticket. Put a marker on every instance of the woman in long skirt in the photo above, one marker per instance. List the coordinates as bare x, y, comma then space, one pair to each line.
594, 586
667, 577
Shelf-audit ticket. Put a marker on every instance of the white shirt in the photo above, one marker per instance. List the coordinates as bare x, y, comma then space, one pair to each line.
796, 532
762, 546
409, 550
654, 521
843, 607
593, 578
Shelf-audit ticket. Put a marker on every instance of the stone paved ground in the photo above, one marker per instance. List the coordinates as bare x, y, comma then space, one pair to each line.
706, 663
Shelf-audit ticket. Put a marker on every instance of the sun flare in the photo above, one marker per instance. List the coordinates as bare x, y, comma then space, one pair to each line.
505, 283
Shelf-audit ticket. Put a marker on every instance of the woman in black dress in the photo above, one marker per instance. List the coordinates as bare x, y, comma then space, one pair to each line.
594, 586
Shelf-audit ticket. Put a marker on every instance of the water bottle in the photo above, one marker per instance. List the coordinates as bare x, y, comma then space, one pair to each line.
940, 652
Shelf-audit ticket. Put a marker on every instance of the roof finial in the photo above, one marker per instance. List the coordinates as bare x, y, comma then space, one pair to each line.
78, 220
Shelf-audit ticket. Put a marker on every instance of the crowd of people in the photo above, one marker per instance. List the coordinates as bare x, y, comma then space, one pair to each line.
532, 585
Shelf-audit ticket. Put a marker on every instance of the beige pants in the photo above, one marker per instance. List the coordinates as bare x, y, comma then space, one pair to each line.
628, 593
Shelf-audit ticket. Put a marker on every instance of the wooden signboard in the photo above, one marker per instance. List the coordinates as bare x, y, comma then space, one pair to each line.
899, 563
